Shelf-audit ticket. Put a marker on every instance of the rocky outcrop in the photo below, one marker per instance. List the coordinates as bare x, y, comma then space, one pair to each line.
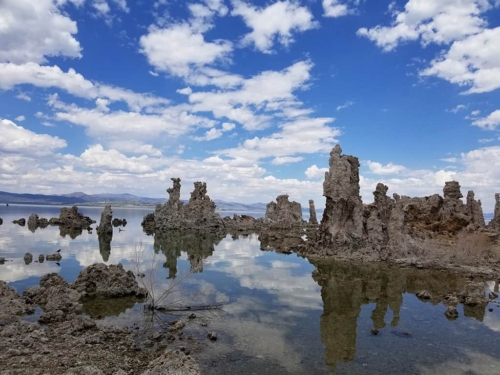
283, 213
53, 257
107, 281
198, 213
34, 222
28, 258
312, 213
474, 210
58, 301
70, 219
342, 223
21, 222
243, 223
374, 231
11, 303
495, 222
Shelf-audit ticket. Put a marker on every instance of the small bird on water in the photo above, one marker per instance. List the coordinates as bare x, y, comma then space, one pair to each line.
58, 251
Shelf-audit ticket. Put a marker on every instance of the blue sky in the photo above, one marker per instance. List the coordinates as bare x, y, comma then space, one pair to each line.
249, 96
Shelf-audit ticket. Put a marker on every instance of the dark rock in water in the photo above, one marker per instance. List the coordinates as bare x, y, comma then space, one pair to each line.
424, 294
105, 228
451, 312
28, 258
1, 221
212, 336
117, 222
53, 257
107, 281
41, 258
374, 332
21, 222
2, 260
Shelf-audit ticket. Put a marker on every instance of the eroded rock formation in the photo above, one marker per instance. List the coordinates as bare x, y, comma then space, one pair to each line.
376, 230
105, 233
105, 228
107, 281
312, 213
70, 219
283, 213
342, 223
495, 222
198, 213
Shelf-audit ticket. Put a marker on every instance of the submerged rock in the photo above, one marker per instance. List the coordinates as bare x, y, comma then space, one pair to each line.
107, 281
451, 312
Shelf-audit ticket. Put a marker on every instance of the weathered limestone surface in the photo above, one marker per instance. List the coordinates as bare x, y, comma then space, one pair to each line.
495, 222
474, 210
283, 213
312, 213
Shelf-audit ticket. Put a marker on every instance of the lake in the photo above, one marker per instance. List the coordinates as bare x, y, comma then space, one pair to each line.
280, 313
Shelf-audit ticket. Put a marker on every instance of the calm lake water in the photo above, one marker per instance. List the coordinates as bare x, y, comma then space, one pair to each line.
281, 314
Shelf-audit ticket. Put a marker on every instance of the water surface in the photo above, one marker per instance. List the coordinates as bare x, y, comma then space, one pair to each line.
281, 314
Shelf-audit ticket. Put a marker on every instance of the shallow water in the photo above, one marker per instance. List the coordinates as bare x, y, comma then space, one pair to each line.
281, 314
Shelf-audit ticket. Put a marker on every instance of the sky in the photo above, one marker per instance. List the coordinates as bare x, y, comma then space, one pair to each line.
119, 96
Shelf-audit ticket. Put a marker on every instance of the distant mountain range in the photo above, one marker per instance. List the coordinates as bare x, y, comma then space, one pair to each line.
82, 199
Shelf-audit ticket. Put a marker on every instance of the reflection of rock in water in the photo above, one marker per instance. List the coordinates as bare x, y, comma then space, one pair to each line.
70, 231
98, 308
197, 244
280, 241
346, 287
105, 246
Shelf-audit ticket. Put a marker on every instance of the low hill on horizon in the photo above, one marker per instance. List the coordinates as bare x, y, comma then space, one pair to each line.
80, 198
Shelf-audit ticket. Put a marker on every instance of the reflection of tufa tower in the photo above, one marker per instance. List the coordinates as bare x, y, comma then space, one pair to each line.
346, 287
